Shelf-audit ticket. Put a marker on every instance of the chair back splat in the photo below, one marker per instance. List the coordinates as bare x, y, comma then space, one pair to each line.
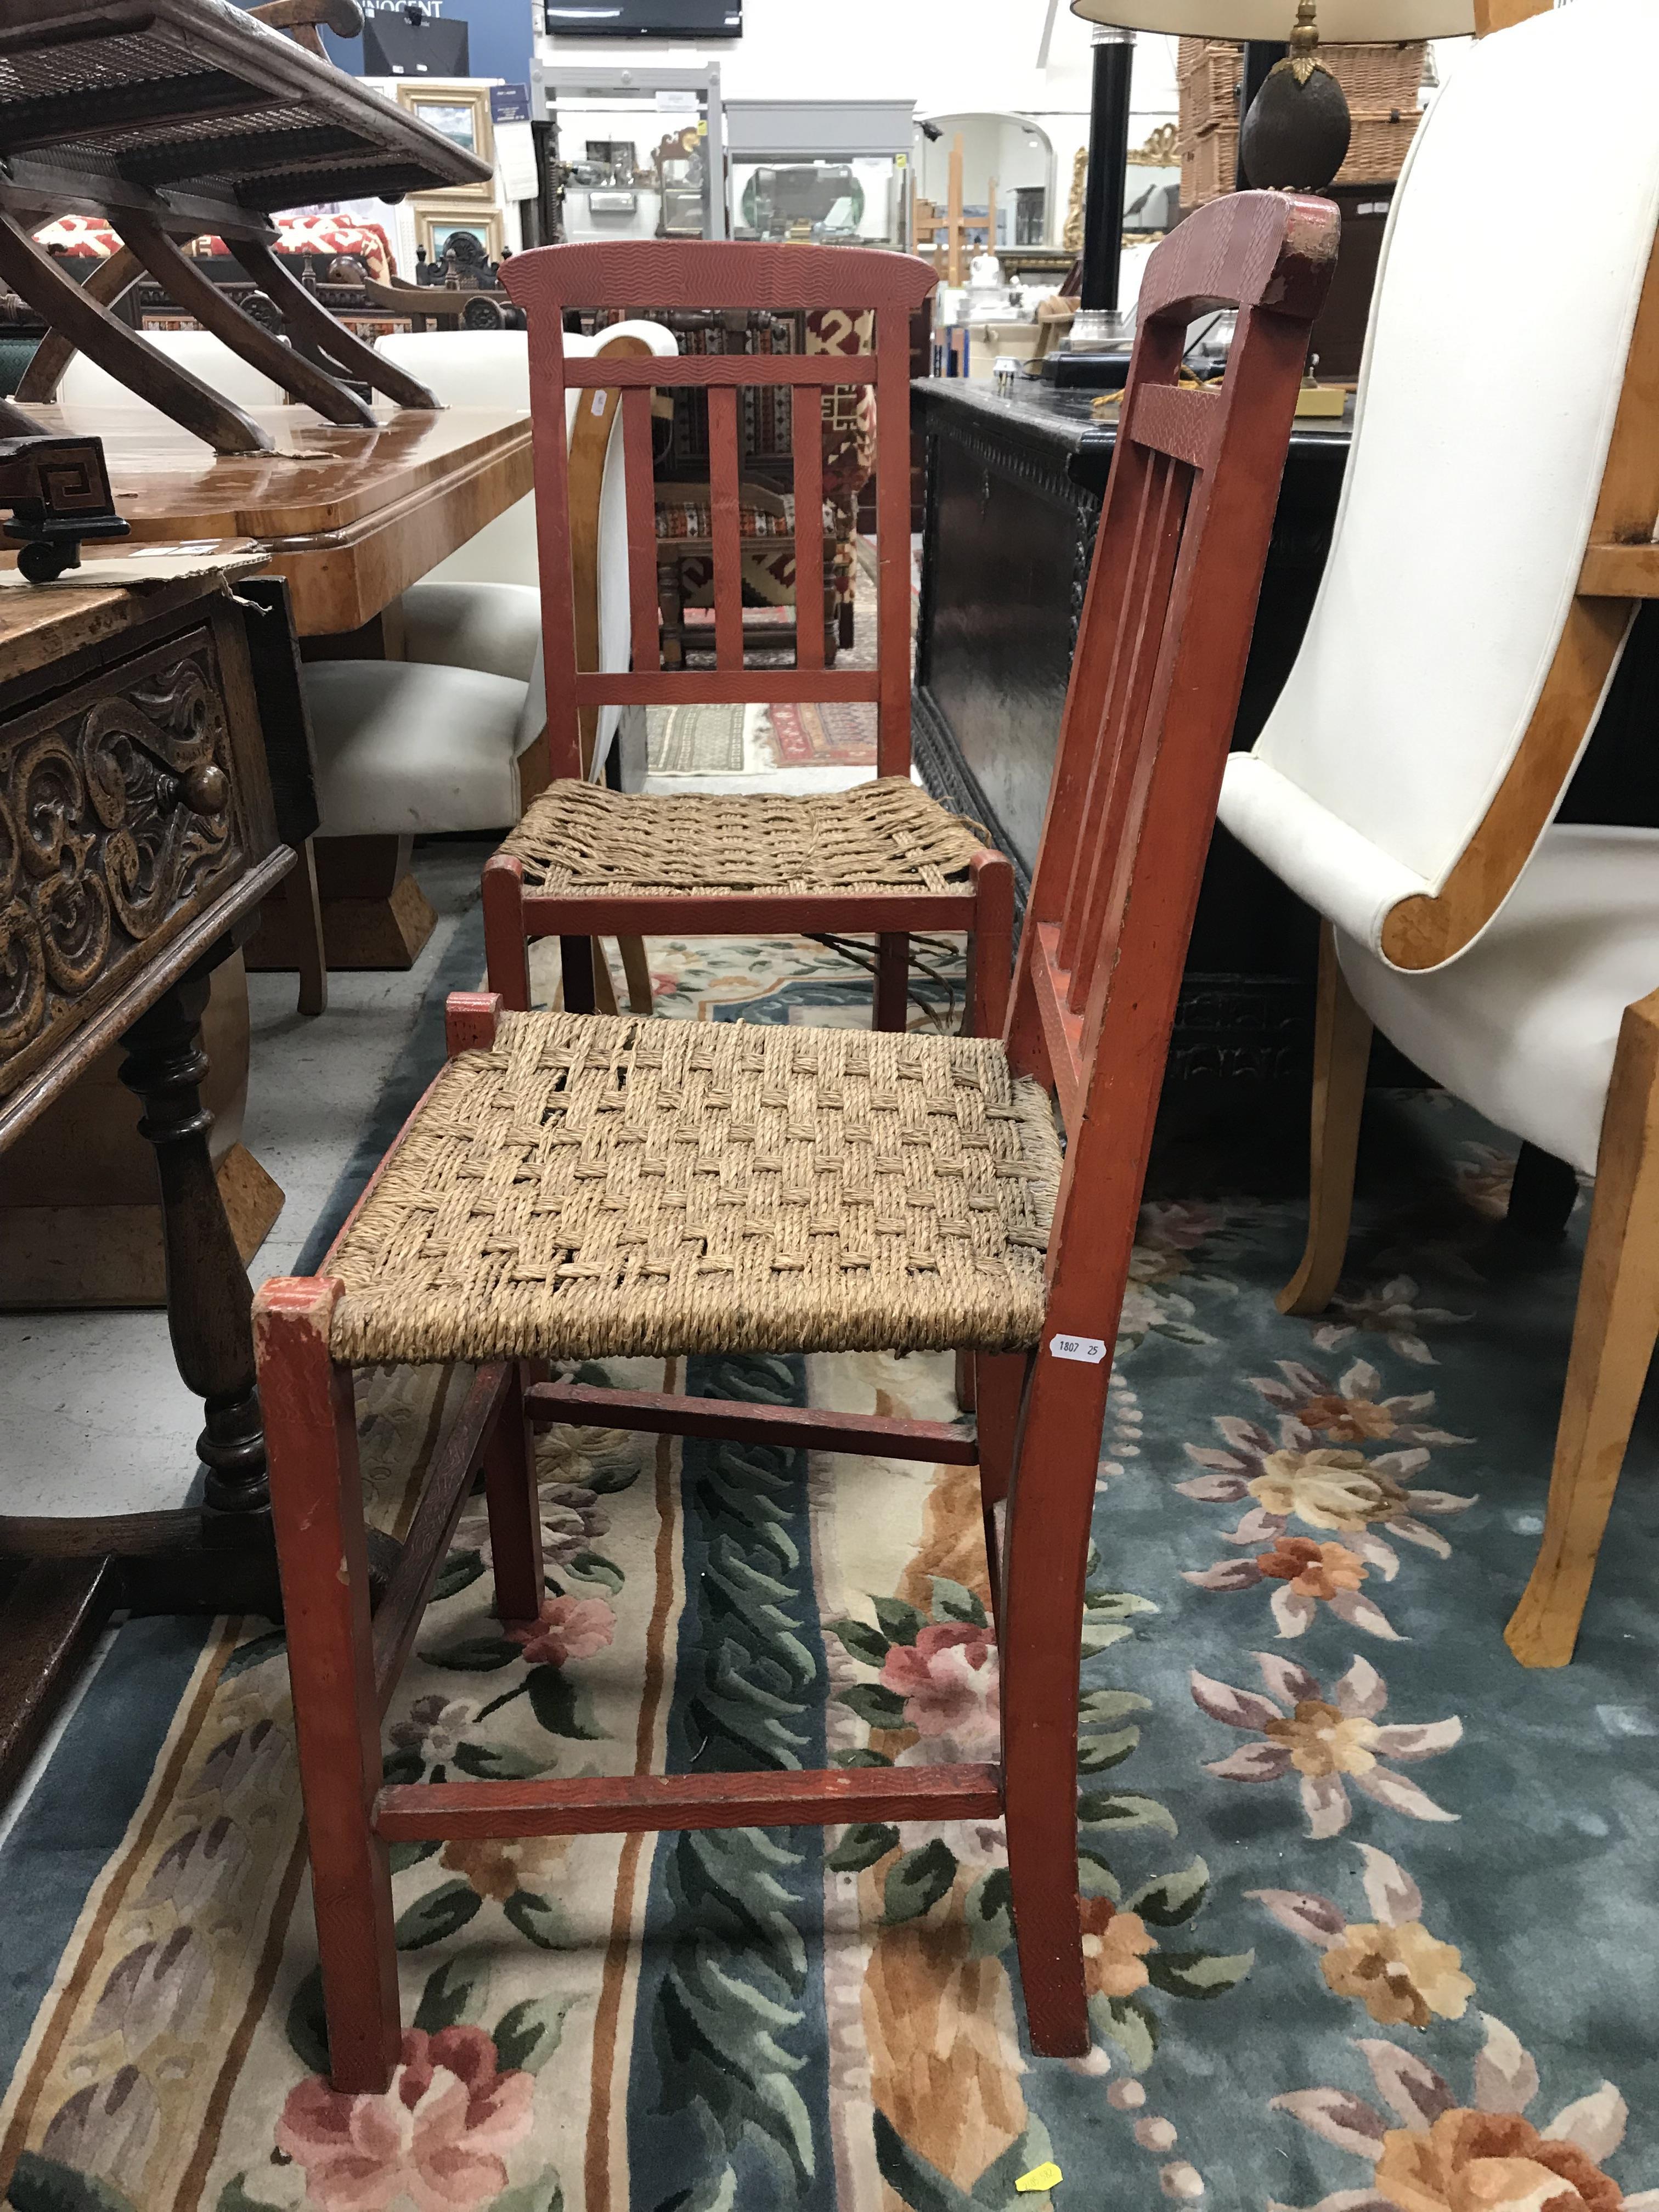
553, 281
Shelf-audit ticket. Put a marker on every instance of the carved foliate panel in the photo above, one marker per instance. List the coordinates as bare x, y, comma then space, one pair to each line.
118, 821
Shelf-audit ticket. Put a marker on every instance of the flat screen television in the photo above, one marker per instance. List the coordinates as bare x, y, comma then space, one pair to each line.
644, 19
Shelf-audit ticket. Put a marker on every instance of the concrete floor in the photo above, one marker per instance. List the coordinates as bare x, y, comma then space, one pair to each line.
95, 1418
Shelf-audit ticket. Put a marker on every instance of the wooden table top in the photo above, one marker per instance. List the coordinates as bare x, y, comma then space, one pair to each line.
351, 517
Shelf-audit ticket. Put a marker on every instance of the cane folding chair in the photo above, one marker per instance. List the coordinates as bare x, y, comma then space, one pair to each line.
883, 857
577, 1186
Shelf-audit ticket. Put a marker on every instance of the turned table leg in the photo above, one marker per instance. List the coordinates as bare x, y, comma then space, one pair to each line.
208, 1298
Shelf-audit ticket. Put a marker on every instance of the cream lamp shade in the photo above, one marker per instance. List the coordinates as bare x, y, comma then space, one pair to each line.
1340, 21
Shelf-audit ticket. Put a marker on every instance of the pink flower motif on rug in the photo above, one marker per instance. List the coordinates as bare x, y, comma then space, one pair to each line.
569, 1628
946, 1679
435, 2136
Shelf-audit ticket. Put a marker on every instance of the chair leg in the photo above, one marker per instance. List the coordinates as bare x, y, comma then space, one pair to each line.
991, 947
1613, 1340
317, 1512
892, 981
313, 961
507, 948
637, 969
514, 1506
576, 964
1342, 1051
999, 1391
1045, 1546
605, 991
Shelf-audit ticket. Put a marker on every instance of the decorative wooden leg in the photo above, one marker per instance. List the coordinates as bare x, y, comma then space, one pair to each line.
991, 947
1342, 1051
1045, 1554
208, 1294
637, 969
515, 1504
317, 1505
892, 981
507, 948
313, 961
1613, 1340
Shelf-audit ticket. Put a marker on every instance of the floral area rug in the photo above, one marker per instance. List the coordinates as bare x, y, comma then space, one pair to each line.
1371, 1917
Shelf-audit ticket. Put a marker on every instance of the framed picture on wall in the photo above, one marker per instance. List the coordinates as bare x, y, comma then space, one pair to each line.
461, 113
435, 226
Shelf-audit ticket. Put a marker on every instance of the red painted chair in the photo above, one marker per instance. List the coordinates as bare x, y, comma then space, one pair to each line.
585, 1186
882, 859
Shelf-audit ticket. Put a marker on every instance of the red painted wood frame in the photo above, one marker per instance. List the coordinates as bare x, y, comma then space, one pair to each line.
1155, 685
549, 282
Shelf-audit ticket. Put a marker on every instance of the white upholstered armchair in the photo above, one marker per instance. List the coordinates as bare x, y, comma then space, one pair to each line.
1495, 528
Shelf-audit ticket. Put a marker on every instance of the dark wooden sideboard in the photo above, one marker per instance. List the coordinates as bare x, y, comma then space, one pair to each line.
1013, 492
154, 775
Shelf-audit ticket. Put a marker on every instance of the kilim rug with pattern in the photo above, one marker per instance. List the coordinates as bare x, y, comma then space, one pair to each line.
1373, 1916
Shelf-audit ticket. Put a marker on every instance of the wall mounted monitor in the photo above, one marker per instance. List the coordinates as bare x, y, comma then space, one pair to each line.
644, 19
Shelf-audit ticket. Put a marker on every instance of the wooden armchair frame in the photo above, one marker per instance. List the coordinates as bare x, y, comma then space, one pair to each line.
1160, 661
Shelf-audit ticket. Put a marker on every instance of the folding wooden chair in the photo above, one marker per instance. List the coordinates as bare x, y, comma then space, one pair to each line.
883, 857
584, 1186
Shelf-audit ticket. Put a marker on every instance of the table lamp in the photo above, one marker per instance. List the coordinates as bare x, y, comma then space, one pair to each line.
1294, 134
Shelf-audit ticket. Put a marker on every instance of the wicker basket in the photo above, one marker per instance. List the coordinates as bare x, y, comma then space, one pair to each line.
1210, 72
1209, 166
1380, 82
1377, 150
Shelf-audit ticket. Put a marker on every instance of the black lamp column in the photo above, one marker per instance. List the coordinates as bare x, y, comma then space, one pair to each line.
1108, 157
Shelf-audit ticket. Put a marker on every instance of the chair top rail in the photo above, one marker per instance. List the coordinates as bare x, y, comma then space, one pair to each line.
671, 273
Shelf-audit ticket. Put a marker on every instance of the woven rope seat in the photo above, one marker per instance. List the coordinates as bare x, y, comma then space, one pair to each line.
580, 840
597, 1186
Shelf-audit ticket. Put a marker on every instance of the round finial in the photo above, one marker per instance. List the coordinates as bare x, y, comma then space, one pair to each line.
206, 790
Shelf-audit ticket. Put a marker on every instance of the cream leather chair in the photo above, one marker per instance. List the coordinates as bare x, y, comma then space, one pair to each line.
86, 384
481, 608
1494, 528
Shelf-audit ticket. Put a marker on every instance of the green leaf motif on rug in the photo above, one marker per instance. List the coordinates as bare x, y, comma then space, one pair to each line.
1128, 2023
921, 2187
452, 1995
41, 2185
559, 1705
865, 1843
1197, 1973
440, 1912
918, 1882
233, 2197
1125, 1809
527, 2034
542, 2195
1172, 1898
459, 1571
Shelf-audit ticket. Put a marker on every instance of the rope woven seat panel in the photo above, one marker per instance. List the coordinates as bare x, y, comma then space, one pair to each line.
602, 1187
582, 841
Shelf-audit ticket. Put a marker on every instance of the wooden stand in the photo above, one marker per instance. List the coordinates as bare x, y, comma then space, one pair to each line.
80, 1220
374, 913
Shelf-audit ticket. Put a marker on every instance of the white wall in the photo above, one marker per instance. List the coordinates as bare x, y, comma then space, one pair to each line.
947, 56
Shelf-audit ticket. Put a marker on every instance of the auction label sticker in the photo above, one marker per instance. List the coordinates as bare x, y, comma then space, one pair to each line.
1089, 1349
